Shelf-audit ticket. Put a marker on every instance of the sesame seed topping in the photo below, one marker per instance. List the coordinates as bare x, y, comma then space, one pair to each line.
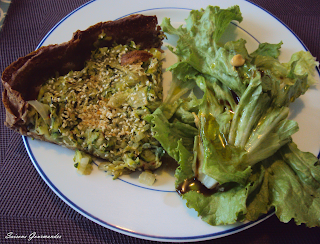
101, 107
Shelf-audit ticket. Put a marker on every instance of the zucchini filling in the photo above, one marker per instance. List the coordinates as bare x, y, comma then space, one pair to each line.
100, 109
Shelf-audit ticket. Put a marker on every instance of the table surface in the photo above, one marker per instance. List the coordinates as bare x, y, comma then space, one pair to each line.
28, 205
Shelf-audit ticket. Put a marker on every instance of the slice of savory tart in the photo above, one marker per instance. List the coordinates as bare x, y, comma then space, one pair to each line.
91, 94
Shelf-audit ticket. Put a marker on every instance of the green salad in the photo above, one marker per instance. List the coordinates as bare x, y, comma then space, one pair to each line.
233, 143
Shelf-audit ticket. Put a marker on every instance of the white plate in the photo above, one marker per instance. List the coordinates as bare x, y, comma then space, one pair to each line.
157, 212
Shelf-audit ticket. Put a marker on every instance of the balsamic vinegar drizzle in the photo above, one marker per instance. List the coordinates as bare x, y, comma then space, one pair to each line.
195, 185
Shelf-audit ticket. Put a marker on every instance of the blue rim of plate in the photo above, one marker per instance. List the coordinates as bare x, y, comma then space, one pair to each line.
132, 233
139, 186
123, 230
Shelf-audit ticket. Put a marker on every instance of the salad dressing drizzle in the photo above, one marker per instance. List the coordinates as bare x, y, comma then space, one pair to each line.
235, 97
194, 184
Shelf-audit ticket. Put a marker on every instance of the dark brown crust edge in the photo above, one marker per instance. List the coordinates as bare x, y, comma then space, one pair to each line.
22, 79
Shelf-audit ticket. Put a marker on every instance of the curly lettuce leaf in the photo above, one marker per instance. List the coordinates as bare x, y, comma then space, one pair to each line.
197, 43
185, 169
268, 49
203, 30
170, 133
287, 182
287, 81
221, 161
304, 164
258, 199
238, 130
231, 204
221, 208
305, 64
294, 186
